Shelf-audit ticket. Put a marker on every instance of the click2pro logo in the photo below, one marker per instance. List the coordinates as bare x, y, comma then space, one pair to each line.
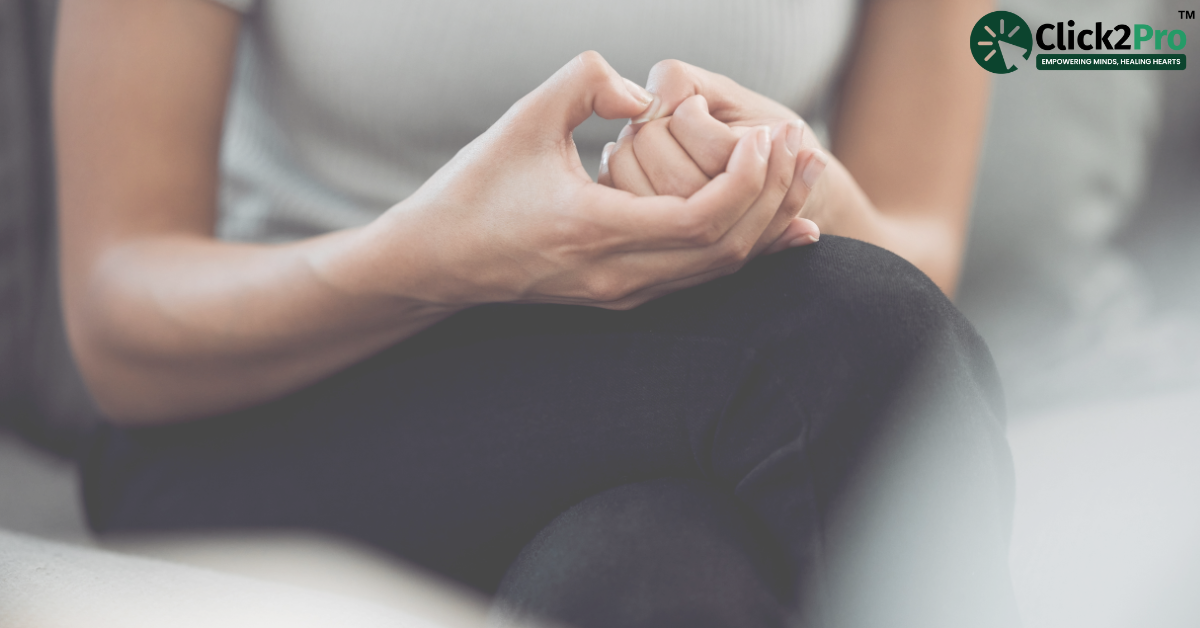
999, 40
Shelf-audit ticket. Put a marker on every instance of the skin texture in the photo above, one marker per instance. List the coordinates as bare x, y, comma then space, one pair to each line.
906, 139
679, 153
168, 323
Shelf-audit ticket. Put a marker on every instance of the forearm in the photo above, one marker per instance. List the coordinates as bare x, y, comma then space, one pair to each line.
166, 323
927, 239
911, 134
173, 327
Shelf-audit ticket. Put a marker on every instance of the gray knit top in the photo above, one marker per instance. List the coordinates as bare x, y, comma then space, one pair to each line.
340, 109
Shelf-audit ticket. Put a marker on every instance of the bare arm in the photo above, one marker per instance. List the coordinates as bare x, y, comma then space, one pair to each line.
906, 139
168, 323
153, 303
909, 130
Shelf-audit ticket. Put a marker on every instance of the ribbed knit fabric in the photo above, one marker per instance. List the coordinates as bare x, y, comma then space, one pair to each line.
341, 109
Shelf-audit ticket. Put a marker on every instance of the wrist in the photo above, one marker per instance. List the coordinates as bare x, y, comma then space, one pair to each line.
378, 271
840, 207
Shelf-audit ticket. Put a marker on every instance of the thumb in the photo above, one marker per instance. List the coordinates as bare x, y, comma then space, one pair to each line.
708, 141
585, 85
674, 81
799, 232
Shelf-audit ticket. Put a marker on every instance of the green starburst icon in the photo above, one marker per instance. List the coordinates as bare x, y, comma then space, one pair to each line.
1000, 40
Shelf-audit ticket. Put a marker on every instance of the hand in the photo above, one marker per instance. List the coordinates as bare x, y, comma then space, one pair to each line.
679, 153
514, 217
650, 158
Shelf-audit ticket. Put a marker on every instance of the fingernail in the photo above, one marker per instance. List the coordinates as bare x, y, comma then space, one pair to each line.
778, 130
795, 136
637, 91
816, 166
650, 113
762, 142
804, 241
608, 149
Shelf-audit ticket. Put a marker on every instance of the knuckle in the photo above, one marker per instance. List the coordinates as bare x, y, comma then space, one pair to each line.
751, 185
605, 287
689, 186
745, 250
590, 58
702, 231
623, 305
576, 234
677, 122
653, 132
620, 151
780, 182
658, 127
735, 251
638, 141
669, 68
792, 203
591, 64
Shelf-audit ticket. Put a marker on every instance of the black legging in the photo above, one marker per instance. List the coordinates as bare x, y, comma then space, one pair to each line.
825, 418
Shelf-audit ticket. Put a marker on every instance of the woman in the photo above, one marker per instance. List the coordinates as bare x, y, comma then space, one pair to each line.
513, 351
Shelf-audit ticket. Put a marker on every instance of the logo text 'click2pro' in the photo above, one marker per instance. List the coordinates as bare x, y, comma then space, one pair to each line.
1001, 41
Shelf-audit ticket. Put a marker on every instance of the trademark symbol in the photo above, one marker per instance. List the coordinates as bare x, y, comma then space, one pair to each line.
1187, 15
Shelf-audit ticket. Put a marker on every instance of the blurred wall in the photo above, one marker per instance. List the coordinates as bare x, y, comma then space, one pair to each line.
1069, 157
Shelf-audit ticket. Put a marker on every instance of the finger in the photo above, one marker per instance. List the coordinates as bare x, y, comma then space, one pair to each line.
718, 206
762, 168
603, 177
625, 170
648, 275
665, 163
631, 223
585, 85
708, 141
636, 277
622, 221
754, 232
637, 296
634, 271
810, 165
800, 142
673, 82
656, 290
799, 232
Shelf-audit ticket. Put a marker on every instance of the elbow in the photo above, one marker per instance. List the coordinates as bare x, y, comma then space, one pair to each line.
107, 379
123, 387
127, 397
139, 378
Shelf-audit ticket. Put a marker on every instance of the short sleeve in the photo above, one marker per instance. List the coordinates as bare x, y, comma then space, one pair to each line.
241, 6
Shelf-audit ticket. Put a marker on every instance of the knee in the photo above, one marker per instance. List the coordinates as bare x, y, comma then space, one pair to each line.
859, 351
670, 552
856, 285
846, 298
850, 330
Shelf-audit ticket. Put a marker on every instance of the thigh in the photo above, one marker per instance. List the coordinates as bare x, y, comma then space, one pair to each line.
672, 552
452, 450
455, 447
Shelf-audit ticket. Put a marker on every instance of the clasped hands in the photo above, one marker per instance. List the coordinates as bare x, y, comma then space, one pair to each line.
707, 176
677, 146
